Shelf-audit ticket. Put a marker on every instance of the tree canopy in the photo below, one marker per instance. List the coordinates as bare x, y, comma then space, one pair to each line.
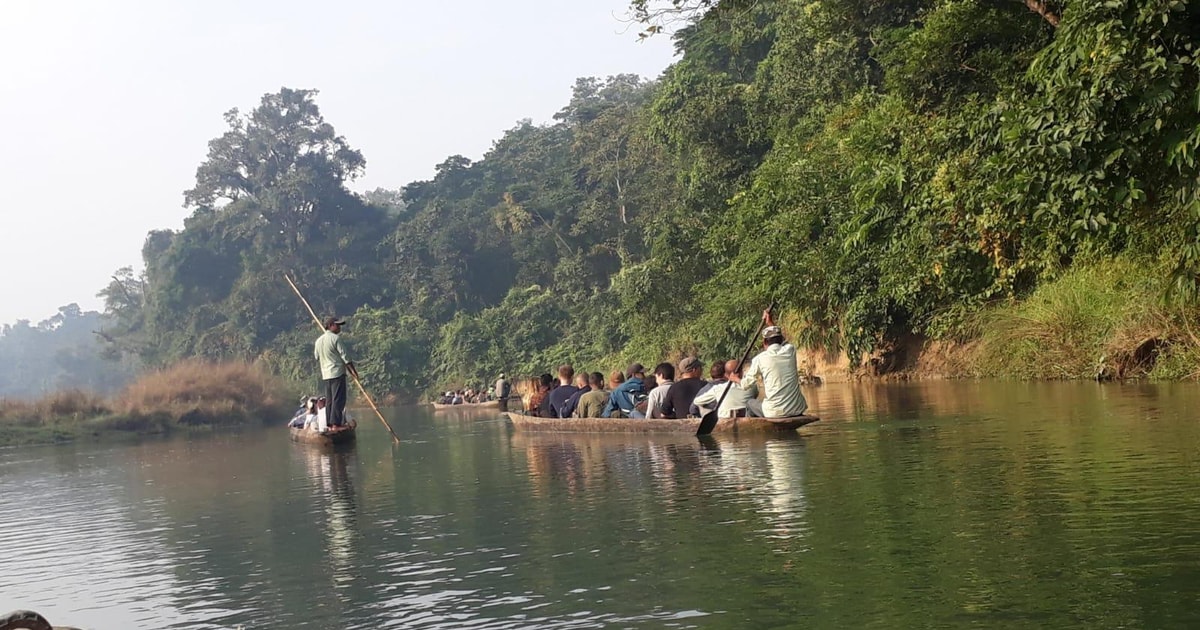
880, 169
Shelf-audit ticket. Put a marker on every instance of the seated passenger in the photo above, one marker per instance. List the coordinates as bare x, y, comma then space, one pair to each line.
716, 376
591, 403
320, 423
582, 387
739, 402
678, 401
298, 420
561, 394
538, 402
664, 375
625, 397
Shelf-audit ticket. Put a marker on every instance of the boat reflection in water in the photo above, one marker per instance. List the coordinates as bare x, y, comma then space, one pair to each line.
329, 476
763, 473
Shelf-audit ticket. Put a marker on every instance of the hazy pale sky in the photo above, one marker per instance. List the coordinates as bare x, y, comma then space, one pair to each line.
108, 107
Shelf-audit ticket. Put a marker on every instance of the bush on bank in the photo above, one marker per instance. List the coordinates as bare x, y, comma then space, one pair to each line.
190, 394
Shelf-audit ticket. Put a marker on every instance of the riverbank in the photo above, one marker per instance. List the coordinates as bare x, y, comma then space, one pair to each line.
192, 395
1108, 320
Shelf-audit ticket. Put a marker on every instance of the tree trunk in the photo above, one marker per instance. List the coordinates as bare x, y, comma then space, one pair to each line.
1039, 7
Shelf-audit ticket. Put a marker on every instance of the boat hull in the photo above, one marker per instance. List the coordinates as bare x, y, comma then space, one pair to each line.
491, 404
521, 422
332, 438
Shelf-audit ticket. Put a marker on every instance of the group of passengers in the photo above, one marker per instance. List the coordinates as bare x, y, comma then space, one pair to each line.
465, 396
311, 414
680, 391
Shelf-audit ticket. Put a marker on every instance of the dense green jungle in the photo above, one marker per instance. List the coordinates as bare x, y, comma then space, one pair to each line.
1019, 178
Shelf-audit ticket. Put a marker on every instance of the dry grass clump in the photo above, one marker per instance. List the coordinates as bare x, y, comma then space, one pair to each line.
192, 393
199, 392
18, 412
72, 402
68, 404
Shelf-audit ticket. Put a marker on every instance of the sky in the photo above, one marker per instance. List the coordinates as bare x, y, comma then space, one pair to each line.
109, 106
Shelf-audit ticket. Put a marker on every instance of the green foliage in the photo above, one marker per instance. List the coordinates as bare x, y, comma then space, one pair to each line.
1098, 320
393, 350
878, 169
1095, 150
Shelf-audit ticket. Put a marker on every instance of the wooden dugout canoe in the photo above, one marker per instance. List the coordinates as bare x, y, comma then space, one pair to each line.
491, 404
331, 438
522, 422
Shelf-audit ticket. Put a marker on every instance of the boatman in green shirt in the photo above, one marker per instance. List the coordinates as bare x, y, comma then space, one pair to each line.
335, 363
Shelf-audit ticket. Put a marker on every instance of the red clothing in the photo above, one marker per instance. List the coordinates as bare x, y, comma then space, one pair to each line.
535, 401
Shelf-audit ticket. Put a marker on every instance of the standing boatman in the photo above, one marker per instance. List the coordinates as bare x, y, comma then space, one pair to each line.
335, 363
502, 392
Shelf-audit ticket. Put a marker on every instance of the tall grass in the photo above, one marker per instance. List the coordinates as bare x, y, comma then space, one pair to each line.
1101, 320
191, 393
198, 392
71, 403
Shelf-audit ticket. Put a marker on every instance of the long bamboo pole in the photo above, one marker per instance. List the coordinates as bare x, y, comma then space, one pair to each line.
353, 373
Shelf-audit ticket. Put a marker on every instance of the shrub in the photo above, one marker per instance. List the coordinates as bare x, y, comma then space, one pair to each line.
1098, 320
204, 393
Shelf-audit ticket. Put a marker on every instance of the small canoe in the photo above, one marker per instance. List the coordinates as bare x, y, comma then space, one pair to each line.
491, 404
522, 422
329, 438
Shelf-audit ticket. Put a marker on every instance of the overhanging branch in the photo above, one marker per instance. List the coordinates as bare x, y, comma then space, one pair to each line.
1041, 8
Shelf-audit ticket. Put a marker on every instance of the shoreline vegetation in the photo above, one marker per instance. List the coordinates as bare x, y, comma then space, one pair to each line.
1104, 320
191, 395
923, 189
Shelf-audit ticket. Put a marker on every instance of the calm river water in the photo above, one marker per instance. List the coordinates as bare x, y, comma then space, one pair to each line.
916, 505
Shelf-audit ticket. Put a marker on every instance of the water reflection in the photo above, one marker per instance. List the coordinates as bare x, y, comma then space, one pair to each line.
909, 505
763, 473
328, 474
577, 462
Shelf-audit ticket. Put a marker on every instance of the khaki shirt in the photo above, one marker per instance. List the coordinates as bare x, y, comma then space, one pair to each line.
331, 353
781, 381
591, 404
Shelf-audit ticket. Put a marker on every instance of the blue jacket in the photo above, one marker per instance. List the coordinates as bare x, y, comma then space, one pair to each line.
623, 397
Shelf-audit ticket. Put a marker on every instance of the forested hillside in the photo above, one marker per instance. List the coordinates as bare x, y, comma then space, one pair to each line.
884, 170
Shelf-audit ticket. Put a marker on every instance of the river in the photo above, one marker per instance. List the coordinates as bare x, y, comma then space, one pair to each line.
935, 505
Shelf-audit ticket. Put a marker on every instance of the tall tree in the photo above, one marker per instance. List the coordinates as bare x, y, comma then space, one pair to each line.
283, 160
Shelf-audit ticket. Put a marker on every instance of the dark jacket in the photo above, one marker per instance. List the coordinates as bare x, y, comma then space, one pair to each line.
568, 408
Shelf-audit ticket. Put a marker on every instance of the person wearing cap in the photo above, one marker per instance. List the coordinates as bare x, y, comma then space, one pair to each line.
307, 406
664, 375
776, 364
330, 351
678, 402
503, 389
625, 397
